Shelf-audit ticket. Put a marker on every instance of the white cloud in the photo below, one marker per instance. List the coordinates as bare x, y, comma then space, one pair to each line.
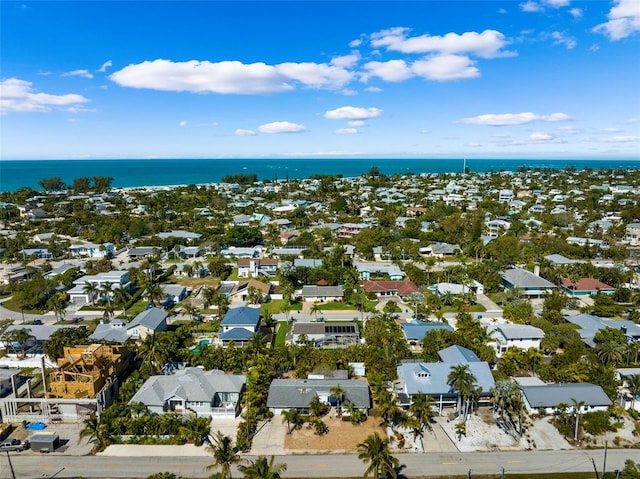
352, 113
541, 136
182, 123
445, 67
230, 77
510, 119
560, 38
531, 7
487, 44
373, 89
594, 48
281, 127
355, 123
243, 132
355, 43
78, 73
346, 131
18, 96
105, 65
346, 61
348, 92
393, 70
576, 12
632, 121
557, 3
624, 20
569, 130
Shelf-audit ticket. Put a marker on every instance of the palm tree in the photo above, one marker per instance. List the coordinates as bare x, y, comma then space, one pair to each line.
386, 406
107, 311
94, 431
192, 311
292, 417
577, 410
633, 383
91, 289
337, 392
461, 380
315, 309
106, 290
224, 453
317, 407
375, 451
153, 353
20, 336
422, 409
461, 429
257, 343
121, 296
195, 428
153, 292
609, 352
262, 468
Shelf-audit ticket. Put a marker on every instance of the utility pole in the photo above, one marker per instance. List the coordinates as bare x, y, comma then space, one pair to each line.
13, 474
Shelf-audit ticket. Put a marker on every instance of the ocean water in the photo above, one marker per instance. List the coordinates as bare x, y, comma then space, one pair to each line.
15, 174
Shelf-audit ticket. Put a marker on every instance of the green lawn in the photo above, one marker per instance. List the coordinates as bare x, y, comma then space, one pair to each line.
275, 306
14, 306
137, 308
281, 333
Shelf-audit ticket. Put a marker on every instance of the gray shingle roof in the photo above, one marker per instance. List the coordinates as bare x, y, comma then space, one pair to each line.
107, 332
150, 318
298, 393
191, 384
311, 291
431, 378
457, 354
242, 316
521, 278
550, 395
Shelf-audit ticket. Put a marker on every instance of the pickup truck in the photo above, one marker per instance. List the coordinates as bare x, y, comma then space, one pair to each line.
14, 445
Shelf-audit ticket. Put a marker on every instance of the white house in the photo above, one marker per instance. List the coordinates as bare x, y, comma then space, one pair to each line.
90, 250
78, 295
507, 336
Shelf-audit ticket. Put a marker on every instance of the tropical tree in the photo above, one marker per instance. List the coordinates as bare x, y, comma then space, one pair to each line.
422, 409
94, 431
262, 468
20, 337
192, 311
577, 410
224, 454
120, 296
106, 291
292, 418
386, 406
337, 392
610, 352
153, 292
633, 383
257, 343
91, 290
154, 352
320, 426
195, 428
317, 407
375, 451
461, 429
461, 380
315, 309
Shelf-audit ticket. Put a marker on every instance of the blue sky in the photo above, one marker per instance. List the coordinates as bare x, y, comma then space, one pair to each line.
474, 79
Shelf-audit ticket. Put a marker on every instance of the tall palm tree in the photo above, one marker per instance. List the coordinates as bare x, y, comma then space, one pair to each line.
262, 468
153, 353
315, 309
609, 352
337, 392
633, 383
120, 296
106, 291
91, 289
153, 292
224, 454
461, 380
577, 410
375, 451
257, 343
422, 409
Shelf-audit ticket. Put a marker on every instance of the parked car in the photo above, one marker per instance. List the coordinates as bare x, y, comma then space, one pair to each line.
14, 445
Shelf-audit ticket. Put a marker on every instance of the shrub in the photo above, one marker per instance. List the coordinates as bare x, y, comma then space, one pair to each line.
598, 422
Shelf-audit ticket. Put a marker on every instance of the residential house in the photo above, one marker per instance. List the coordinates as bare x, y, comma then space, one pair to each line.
457, 355
440, 250
349, 230
211, 393
287, 394
150, 321
115, 331
39, 333
443, 288
241, 252
531, 284
255, 267
546, 397
415, 331
90, 250
369, 269
625, 397
141, 252
432, 379
559, 260
174, 293
322, 294
585, 287
590, 325
307, 263
497, 227
240, 291
505, 196
9, 381
238, 325
632, 234
185, 235
36, 253
506, 336
78, 295
391, 288
325, 334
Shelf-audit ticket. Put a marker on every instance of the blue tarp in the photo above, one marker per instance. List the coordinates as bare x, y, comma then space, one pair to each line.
36, 426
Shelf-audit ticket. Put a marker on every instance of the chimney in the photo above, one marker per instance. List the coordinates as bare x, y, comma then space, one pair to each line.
536, 270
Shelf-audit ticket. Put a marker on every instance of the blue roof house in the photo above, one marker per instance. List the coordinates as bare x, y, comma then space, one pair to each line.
238, 325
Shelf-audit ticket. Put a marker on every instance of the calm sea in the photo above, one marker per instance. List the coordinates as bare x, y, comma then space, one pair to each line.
132, 173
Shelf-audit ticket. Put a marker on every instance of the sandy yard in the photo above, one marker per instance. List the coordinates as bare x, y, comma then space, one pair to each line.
342, 436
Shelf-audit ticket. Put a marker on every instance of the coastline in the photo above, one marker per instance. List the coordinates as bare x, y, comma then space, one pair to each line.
172, 173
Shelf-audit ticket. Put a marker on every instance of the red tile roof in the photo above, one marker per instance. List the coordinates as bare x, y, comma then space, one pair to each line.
404, 288
586, 284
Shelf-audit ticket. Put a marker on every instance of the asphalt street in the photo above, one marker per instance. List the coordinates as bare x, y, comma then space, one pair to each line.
29, 465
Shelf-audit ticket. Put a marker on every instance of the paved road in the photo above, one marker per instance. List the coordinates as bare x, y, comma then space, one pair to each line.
29, 465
